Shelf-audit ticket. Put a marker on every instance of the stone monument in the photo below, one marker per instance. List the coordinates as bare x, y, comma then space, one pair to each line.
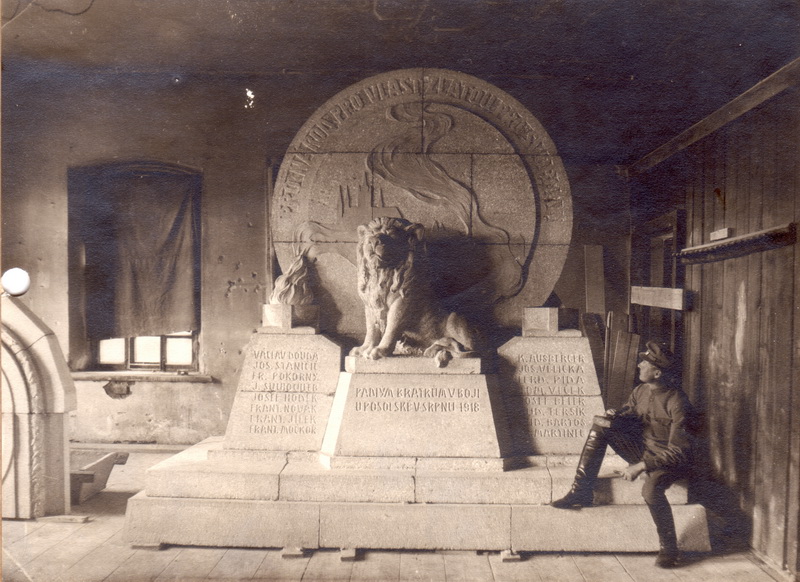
393, 409
442, 149
416, 451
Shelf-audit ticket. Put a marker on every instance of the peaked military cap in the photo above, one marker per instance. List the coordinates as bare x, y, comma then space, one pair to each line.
658, 355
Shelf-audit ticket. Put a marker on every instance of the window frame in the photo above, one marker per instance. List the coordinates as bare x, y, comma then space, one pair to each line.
83, 353
130, 365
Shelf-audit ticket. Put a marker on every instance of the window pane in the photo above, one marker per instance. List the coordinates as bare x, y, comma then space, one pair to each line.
111, 351
179, 351
147, 350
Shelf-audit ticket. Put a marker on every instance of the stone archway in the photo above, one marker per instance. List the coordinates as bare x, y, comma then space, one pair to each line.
37, 392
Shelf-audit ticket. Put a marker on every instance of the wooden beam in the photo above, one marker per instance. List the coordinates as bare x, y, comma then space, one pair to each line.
593, 330
739, 246
595, 282
664, 297
783, 78
631, 368
618, 390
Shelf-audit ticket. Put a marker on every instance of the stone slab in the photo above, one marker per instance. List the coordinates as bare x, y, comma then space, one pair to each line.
414, 415
191, 474
89, 473
249, 455
284, 393
468, 464
543, 319
523, 462
221, 522
256, 456
617, 491
627, 528
551, 393
342, 462
562, 333
524, 486
302, 330
461, 464
611, 489
412, 365
312, 482
232, 523
417, 526
458, 510
611, 462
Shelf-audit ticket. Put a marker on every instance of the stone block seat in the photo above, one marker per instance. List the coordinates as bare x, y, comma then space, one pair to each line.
204, 496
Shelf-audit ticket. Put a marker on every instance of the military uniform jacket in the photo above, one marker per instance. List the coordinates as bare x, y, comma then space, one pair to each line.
663, 412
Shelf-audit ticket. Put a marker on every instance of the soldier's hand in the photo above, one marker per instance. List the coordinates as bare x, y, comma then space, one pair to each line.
631, 472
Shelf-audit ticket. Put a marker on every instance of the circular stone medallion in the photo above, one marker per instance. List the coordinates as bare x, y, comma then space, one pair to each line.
439, 148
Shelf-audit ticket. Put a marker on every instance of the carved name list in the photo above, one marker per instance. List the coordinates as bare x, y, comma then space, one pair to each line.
284, 392
555, 382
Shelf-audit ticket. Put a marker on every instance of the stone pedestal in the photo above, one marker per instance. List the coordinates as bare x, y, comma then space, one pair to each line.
414, 457
285, 390
407, 407
288, 317
201, 498
549, 385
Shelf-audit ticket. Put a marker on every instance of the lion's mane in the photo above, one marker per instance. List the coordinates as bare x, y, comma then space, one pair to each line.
383, 277
399, 302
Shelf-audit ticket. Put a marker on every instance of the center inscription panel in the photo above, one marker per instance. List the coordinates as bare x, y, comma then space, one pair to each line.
382, 412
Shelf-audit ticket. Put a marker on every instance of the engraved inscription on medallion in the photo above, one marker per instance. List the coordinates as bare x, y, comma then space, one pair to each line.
439, 148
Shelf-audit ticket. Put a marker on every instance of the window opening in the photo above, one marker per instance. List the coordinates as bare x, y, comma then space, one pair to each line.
134, 267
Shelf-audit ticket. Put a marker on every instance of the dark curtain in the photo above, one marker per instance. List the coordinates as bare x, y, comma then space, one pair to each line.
142, 259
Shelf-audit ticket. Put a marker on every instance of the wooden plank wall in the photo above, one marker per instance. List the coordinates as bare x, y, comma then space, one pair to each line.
742, 337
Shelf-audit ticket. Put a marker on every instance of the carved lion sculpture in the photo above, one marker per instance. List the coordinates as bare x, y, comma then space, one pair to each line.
399, 301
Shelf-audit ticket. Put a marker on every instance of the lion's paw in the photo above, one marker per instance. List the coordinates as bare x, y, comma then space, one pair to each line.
359, 351
377, 353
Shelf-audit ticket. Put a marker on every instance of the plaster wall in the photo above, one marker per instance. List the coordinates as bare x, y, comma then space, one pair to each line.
52, 126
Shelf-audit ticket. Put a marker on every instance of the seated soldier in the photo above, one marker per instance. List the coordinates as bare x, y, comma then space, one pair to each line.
649, 432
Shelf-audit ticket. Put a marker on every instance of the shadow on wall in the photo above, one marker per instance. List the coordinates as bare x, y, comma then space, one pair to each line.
730, 527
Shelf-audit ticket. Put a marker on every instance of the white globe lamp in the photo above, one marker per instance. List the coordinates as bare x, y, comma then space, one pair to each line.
16, 281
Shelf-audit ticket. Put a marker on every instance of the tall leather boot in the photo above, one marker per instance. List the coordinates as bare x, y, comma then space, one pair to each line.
582, 492
667, 539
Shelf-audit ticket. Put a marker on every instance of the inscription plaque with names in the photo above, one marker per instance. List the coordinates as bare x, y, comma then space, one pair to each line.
551, 392
284, 393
